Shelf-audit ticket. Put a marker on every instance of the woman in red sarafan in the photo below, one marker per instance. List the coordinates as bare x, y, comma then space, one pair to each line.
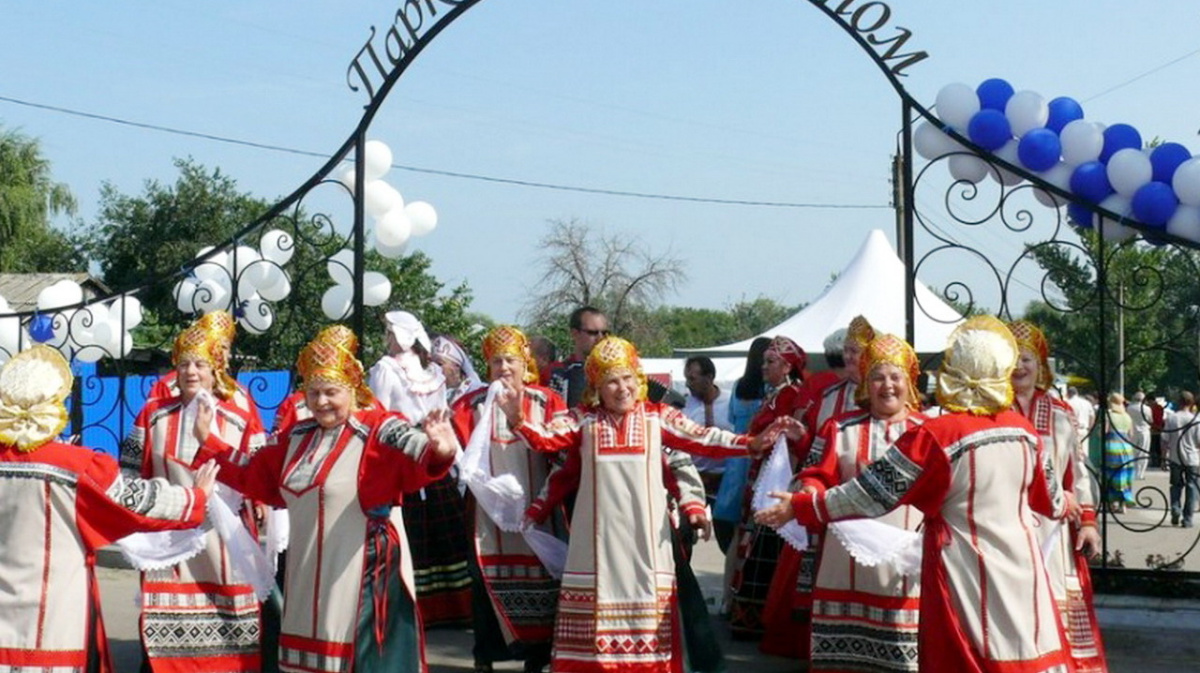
986, 600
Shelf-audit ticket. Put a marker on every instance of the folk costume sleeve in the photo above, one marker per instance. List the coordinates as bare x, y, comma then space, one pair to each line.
915, 471
561, 433
1078, 479
111, 505
413, 465
1045, 493
682, 479
681, 433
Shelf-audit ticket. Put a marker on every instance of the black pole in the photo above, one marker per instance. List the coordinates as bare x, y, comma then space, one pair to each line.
904, 237
360, 179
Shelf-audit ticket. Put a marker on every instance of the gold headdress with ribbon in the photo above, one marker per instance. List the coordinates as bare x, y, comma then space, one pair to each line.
976, 371
1030, 337
508, 340
33, 386
330, 358
891, 350
611, 355
209, 339
859, 332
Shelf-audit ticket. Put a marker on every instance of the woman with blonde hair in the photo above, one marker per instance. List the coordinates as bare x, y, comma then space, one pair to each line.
1120, 457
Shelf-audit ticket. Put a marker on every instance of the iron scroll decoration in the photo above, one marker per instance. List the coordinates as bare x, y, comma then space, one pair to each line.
383, 58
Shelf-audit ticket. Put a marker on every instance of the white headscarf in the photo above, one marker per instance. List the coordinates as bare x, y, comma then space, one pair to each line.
445, 348
407, 330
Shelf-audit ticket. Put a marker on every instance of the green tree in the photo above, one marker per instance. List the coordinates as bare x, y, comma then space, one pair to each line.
29, 197
1150, 296
145, 242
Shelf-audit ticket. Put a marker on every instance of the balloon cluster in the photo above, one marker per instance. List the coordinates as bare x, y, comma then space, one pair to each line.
394, 223
86, 334
258, 276
1102, 166
336, 302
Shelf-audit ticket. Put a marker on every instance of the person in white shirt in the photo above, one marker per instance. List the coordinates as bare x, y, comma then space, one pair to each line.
1085, 414
1181, 435
708, 405
1140, 412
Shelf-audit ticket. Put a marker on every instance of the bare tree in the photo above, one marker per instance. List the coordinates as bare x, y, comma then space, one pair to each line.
616, 274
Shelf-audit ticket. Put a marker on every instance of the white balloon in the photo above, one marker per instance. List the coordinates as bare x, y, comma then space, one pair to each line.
11, 336
89, 353
1059, 175
252, 277
967, 167
63, 293
277, 286
62, 331
1185, 223
213, 294
277, 246
341, 266
185, 294
335, 303
423, 217
393, 229
378, 159
257, 315
127, 309
391, 251
109, 337
1112, 230
1129, 169
217, 266
380, 197
376, 288
1186, 182
932, 143
346, 177
85, 321
1026, 110
955, 105
1082, 141
1009, 154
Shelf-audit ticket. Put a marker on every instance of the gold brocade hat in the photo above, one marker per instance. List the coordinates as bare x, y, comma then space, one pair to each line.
33, 385
611, 355
209, 339
891, 350
1030, 337
508, 340
975, 376
860, 331
330, 358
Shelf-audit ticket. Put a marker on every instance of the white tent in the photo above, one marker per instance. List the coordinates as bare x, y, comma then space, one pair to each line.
872, 285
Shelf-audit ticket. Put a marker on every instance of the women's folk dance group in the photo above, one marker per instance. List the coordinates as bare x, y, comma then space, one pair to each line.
555, 534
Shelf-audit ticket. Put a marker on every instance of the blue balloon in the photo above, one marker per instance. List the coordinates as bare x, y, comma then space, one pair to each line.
1080, 215
1166, 158
41, 328
1063, 111
1118, 137
1154, 203
1039, 149
994, 94
1089, 181
989, 129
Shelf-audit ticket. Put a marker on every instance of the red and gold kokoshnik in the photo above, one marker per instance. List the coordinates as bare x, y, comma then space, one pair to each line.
860, 331
889, 349
209, 339
330, 358
508, 340
610, 356
1029, 337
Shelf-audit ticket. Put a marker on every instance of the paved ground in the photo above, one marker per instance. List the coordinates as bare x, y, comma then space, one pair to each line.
1141, 635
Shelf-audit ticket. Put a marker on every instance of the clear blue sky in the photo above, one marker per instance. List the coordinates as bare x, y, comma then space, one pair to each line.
763, 100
